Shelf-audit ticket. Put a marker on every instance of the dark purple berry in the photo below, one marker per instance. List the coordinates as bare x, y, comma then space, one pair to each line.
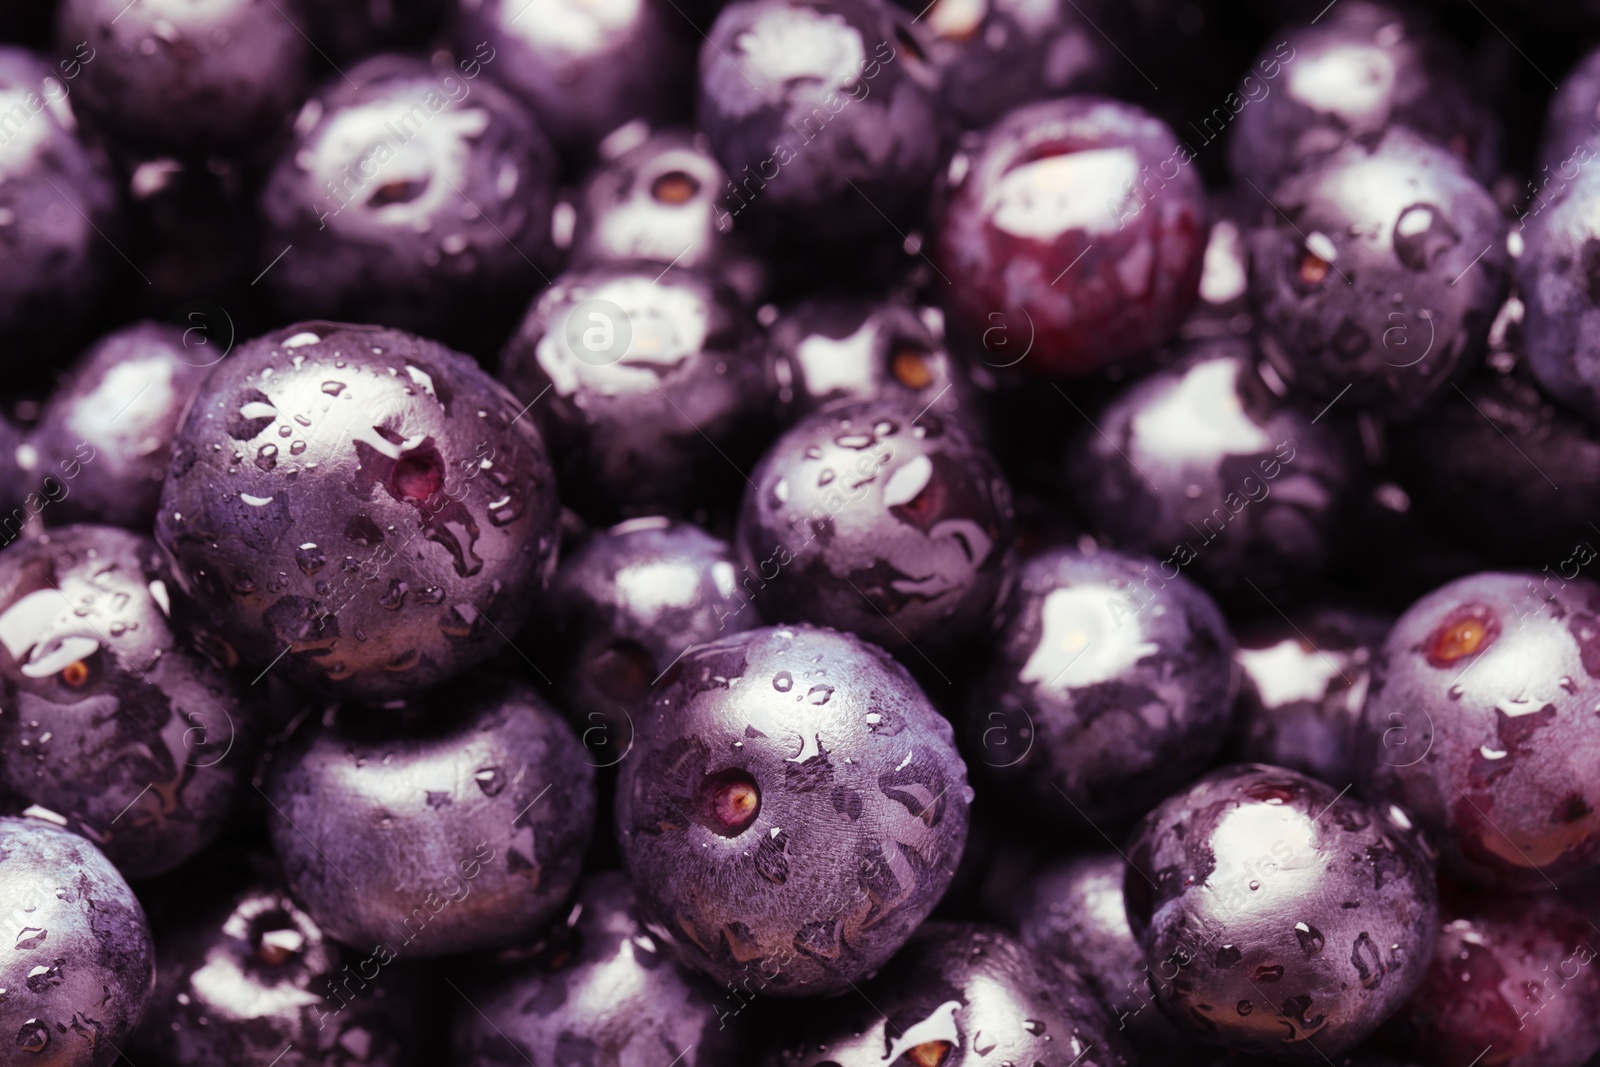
660, 199
1559, 275
1111, 685
824, 114
959, 995
242, 982
411, 196
1076, 225
1377, 271
78, 964
1511, 976
465, 831
1351, 76
872, 518
599, 980
652, 385
1303, 684
185, 77
110, 718
1201, 464
1074, 911
363, 510
1481, 724
793, 808
106, 433
1278, 916
583, 68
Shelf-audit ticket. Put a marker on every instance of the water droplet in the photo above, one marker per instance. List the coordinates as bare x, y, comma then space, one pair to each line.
1244, 1007
780, 492
267, 457
813, 452
285, 430
255, 501
1454, 692
1310, 938
1568, 684
783, 681
310, 558
33, 1036
1254, 885
296, 448
333, 388
31, 937
825, 477
1033, 1026
820, 694
491, 780
1227, 956
41, 979
1270, 972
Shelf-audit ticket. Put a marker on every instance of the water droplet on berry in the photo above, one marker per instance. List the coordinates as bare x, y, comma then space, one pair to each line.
491, 780
783, 681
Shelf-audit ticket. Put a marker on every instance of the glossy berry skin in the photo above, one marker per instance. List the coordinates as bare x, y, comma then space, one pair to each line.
599, 980
838, 347
1513, 973
1278, 917
1466, 481
961, 995
583, 69
54, 192
661, 200
993, 57
1480, 723
1563, 306
1200, 464
1302, 688
1364, 69
365, 503
472, 826
625, 604
111, 719
1567, 143
412, 196
653, 391
825, 116
1110, 686
870, 518
241, 982
360, 27
83, 964
183, 77
1074, 911
1387, 279
107, 431
793, 809
1052, 182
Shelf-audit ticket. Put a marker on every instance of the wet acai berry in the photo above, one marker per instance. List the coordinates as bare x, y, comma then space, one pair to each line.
824, 114
358, 508
78, 966
583, 69
1510, 974
651, 383
1279, 916
623, 606
1110, 686
411, 196
1074, 911
660, 199
598, 979
1074, 227
872, 518
1202, 465
843, 346
793, 809
464, 832
1350, 74
185, 77
1556, 275
1303, 685
961, 994
1376, 273
55, 191
243, 979
110, 718
995, 56
1481, 724
106, 434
